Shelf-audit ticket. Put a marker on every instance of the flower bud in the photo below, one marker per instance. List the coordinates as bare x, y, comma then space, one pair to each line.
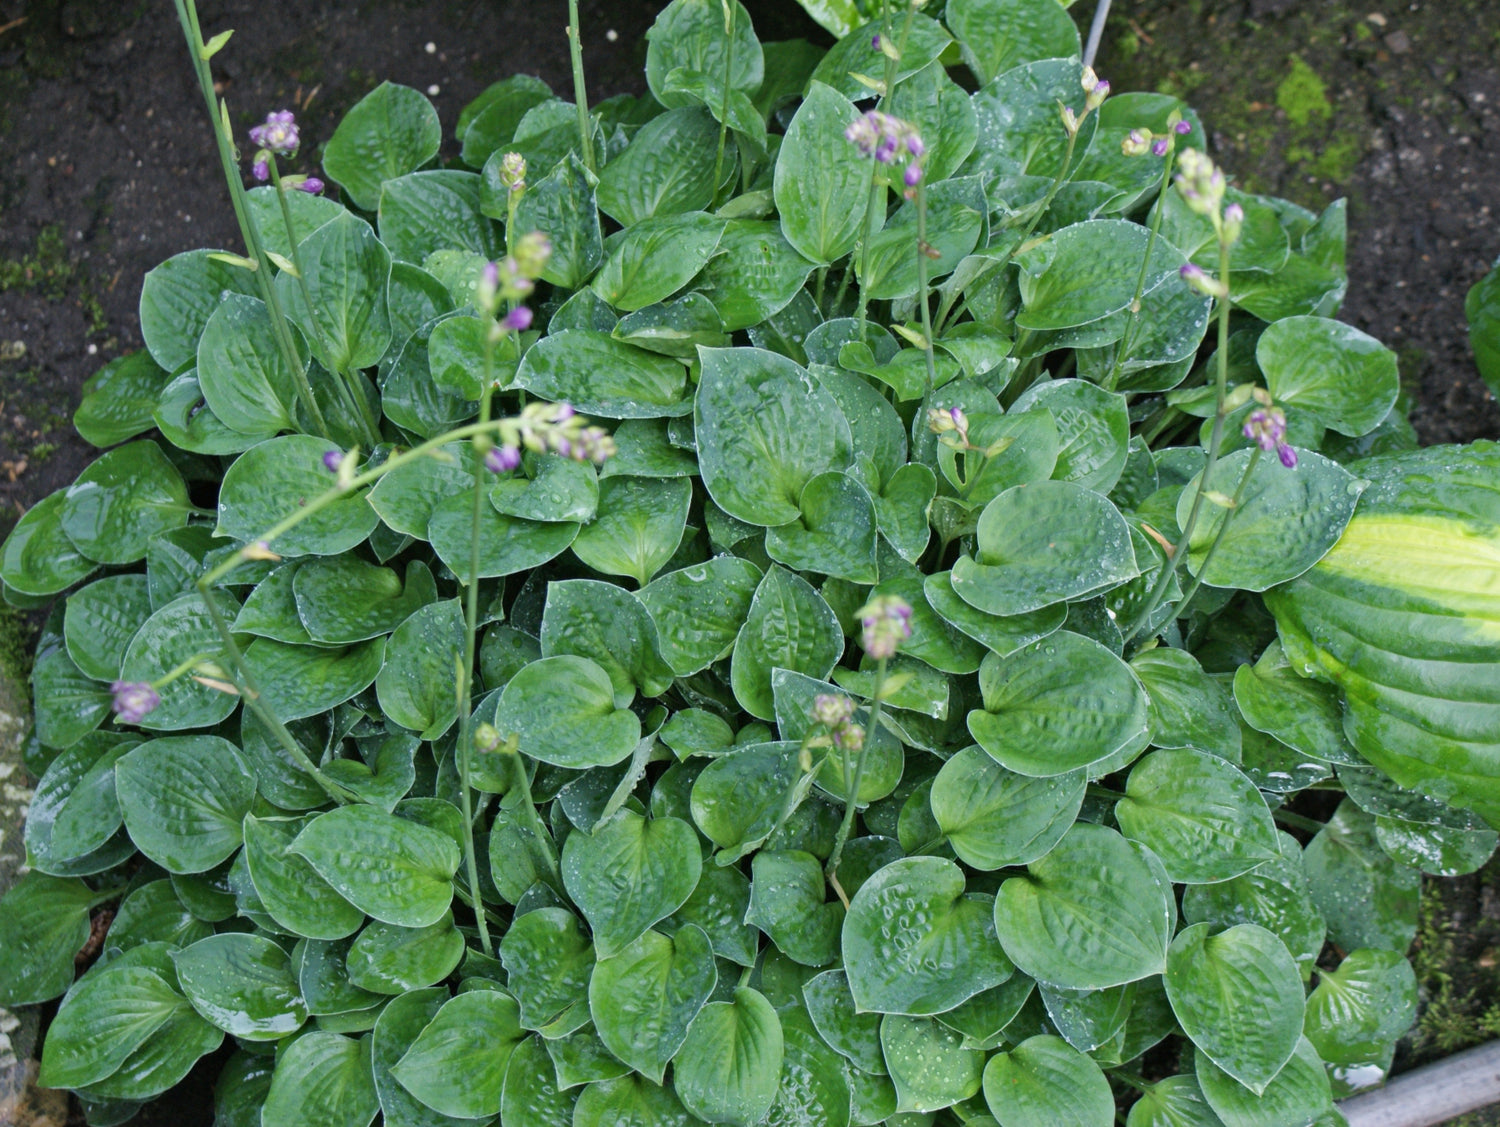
832, 710
531, 254
1069, 119
502, 459
1234, 222
133, 700
487, 739
1136, 142
518, 320
886, 623
850, 737
513, 172
1202, 281
278, 134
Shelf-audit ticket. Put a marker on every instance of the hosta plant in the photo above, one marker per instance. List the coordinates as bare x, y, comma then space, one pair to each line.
859, 587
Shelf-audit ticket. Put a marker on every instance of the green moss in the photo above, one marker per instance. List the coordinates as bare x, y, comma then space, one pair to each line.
16, 637
1459, 990
47, 268
41, 452
1302, 94
1333, 161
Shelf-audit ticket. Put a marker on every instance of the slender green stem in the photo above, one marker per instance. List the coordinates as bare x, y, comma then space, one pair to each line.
354, 401
1140, 283
465, 748
251, 694
852, 785
1095, 791
534, 822
187, 15
1215, 438
1057, 183
732, 11
745, 976
922, 294
875, 204
580, 94
1208, 556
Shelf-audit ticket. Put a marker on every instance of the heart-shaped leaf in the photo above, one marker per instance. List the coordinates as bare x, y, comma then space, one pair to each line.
629, 873
644, 998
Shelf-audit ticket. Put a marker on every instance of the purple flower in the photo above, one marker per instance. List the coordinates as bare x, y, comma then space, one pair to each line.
884, 137
1160, 146
832, 710
518, 320
875, 42
886, 622
1266, 427
133, 700
261, 170
310, 184
849, 737
1287, 455
596, 445
502, 459
1136, 142
332, 459
563, 412
913, 175
1234, 213
278, 134
1182, 129
1202, 281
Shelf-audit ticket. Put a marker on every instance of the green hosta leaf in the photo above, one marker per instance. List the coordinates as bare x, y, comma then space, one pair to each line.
531, 1096
100, 621
996, 35
928, 1063
563, 710
290, 889
1299, 1094
389, 132
242, 984
656, 257
607, 625
814, 1088
1003, 634
956, 211
789, 626
629, 1100
943, 115
994, 818
644, 998
243, 373
322, 1078
507, 545
629, 873
853, 1034
1304, 714
267, 482
581, 1059
1199, 814
177, 299
1274, 896
695, 34
74, 813
754, 274
418, 684
1348, 380
667, 170
788, 903
1238, 995
37, 557
44, 922
102, 1021
161, 1063
343, 599
1482, 307
858, 54
548, 960
489, 121
561, 490
915, 943
392, 869
755, 449
600, 375
795, 695
639, 525
69, 705
1176, 1101
457, 1064
691, 640
178, 631
1360, 1009
740, 799
1093, 430
1095, 912
1090, 1020
386, 959
1087, 271
1399, 615
187, 422
398, 1026
1286, 522
1029, 456
718, 905
1058, 705
674, 328
1045, 1081
562, 205
424, 212
122, 502
1368, 899
835, 533
346, 270
1441, 850
821, 181
299, 681
309, 212
1189, 709
728, 1069
1044, 543
183, 798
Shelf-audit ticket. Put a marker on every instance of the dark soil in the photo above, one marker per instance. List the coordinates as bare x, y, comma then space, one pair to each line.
110, 170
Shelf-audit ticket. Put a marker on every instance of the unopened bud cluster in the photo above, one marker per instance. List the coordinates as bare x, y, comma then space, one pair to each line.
889, 140
1140, 141
836, 713
278, 136
550, 428
885, 622
1266, 427
1095, 90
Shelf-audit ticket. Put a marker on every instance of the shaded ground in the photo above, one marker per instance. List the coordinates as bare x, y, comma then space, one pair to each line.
110, 170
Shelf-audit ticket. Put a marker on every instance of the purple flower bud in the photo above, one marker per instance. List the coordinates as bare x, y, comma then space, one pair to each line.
1234, 213
875, 42
832, 710
1182, 129
886, 622
331, 460
490, 276
261, 170
1160, 146
502, 459
1287, 455
1190, 271
915, 145
913, 175
518, 320
563, 412
133, 700
849, 737
278, 134
885, 152
311, 185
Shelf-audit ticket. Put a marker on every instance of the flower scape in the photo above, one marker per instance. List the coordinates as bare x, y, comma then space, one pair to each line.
807, 631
